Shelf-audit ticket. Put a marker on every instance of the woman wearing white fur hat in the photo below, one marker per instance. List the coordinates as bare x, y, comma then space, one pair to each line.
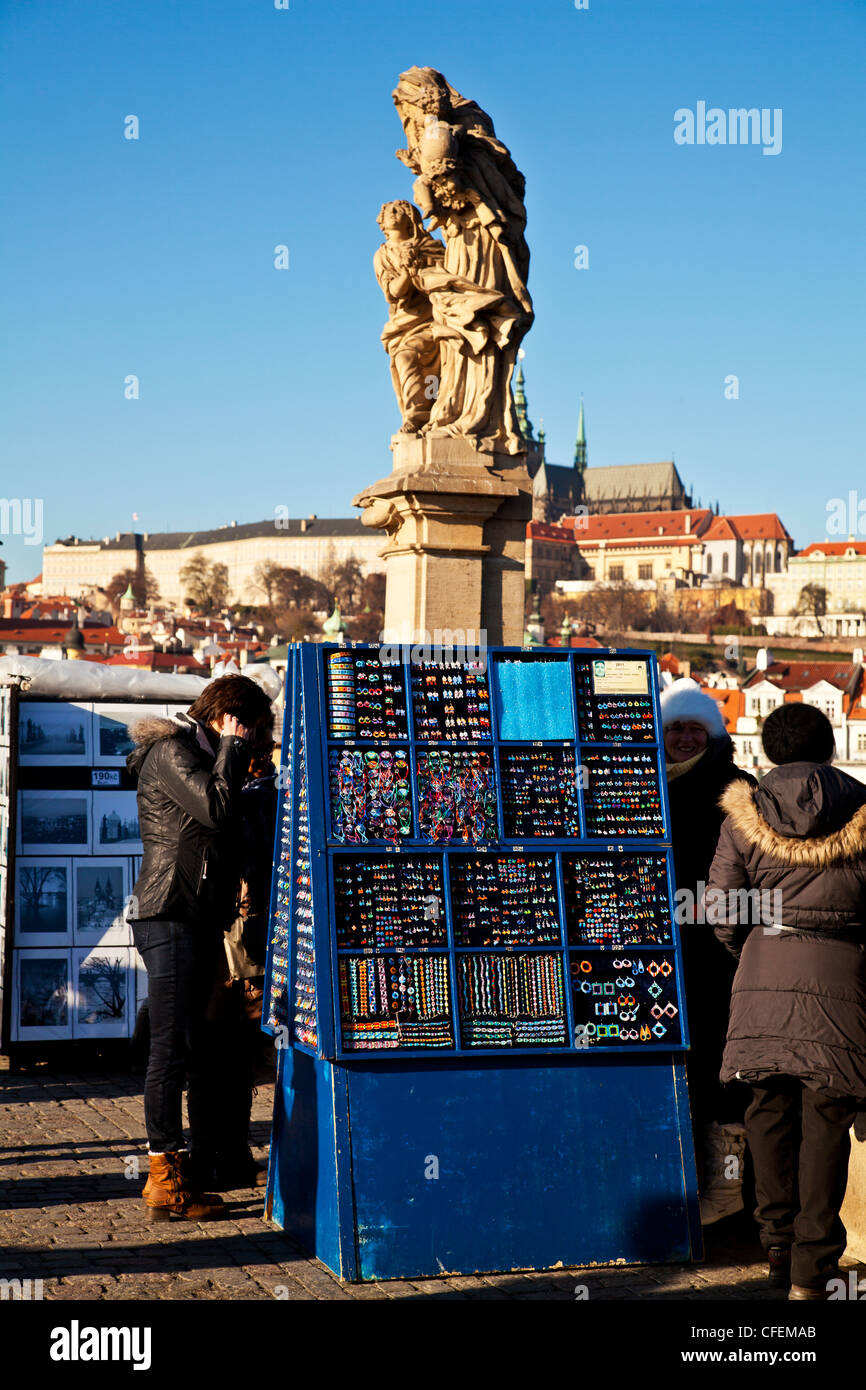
699, 757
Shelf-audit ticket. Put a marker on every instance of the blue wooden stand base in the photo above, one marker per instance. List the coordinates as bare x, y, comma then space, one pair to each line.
386, 1172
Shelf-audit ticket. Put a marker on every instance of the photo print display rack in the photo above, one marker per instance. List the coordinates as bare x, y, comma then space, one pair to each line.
70, 849
473, 858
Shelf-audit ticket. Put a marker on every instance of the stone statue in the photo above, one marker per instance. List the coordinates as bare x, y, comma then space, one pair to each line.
480, 308
408, 335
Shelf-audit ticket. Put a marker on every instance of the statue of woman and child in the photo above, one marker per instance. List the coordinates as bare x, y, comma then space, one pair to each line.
458, 309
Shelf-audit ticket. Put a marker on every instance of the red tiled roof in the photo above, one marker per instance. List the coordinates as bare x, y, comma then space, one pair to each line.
791, 676
833, 548
556, 641
639, 525
731, 702
53, 634
721, 529
764, 526
548, 531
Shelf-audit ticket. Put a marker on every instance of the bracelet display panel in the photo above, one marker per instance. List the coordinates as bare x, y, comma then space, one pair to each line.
482, 864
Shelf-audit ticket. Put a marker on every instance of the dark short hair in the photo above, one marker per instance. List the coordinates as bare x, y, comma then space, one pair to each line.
236, 695
798, 733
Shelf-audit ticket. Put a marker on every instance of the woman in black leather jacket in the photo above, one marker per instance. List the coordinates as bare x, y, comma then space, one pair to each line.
190, 772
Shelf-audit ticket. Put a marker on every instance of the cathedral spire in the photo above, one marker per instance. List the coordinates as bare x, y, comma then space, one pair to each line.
580, 443
523, 420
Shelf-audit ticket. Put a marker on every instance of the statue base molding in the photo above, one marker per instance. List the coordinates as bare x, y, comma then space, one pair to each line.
455, 520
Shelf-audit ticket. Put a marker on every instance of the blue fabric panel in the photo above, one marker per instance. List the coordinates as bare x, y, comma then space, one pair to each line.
533, 699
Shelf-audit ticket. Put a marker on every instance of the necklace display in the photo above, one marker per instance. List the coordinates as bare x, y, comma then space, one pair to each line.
450, 701
539, 793
622, 795
370, 795
511, 1000
624, 999
616, 900
395, 1001
456, 796
366, 698
389, 903
504, 900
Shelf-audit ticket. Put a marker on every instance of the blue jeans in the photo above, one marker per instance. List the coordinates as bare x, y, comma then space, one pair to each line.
181, 963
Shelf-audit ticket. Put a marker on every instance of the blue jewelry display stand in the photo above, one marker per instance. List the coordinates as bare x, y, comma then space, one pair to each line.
484, 1152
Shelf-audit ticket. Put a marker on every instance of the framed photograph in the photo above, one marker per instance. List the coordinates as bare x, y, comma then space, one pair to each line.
115, 823
5, 709
99, 892
43, 1003
54, 822
104, 993
54, 733
3, 872
4, 831
4, 773
111, 737
43, 901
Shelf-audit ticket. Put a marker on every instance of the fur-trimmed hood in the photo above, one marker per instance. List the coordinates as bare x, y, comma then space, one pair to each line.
151, 728
803, 814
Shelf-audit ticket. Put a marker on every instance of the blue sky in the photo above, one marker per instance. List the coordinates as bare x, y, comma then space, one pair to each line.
262, 388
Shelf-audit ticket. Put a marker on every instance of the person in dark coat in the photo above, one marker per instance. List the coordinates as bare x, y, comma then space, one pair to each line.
221, 1156
699, 760
189, 771
797, 1031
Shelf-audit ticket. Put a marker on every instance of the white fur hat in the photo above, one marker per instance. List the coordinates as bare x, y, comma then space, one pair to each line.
684, 699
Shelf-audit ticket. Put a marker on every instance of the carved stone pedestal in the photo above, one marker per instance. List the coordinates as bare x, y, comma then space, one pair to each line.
456, 528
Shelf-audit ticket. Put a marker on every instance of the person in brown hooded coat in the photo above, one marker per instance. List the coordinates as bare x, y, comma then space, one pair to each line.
797, 1029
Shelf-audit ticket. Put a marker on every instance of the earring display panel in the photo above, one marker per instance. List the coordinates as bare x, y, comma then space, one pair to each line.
389, 903
504, 900
539, 793
625, 998
615, 901
366, 697
614, 704
371, 795
456, 795
511, 1000
451, 702
622, 795
395, 1001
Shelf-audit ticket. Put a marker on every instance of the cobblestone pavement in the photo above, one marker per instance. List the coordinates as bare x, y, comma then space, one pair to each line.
70, 1216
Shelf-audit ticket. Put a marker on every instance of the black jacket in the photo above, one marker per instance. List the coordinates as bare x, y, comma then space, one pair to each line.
187, 809
696, 822
798, 1006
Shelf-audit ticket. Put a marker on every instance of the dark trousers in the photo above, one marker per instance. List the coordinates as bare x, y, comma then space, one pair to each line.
181, 962
232, 1039
800, 1143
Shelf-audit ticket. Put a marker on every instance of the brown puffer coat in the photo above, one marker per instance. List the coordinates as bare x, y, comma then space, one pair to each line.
798, 1006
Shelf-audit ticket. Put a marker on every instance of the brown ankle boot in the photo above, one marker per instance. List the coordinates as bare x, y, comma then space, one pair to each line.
167, 1192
